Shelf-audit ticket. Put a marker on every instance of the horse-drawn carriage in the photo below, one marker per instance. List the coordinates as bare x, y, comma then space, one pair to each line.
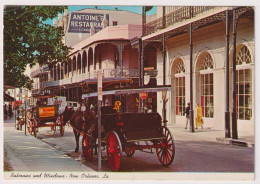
20, 118
44, 116
127, 132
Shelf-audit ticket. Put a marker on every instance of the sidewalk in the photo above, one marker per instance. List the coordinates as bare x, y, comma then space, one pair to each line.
207, 134
26, 153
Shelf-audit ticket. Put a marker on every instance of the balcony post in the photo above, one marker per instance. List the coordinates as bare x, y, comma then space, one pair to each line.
164, 78
94, 60
64, 69
76, 69
227, 113
139, 61
120, 48
191, 79
234, 114
87, 55
53, 73
81, 63
72, 68
60, 70
143, 20
164, 18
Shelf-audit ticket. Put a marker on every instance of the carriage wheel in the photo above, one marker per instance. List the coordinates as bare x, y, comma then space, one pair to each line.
129, 152
29, 126
87, 147
166, 150
62, 128
114, 150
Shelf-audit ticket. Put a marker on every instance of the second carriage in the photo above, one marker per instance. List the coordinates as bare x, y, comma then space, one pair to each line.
44, 116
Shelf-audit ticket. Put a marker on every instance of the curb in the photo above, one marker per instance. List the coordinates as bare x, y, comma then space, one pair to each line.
237, 142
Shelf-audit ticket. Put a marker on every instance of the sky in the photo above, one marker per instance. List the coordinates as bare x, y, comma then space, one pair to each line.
135, 9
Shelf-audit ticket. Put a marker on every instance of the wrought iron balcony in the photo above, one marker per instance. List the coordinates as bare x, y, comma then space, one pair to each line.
180, 15
36, 91
107, 73
38, 71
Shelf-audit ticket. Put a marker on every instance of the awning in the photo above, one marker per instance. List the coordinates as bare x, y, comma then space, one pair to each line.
108, 80
8, 98
112, 92
44, 96
129, 91
141, 90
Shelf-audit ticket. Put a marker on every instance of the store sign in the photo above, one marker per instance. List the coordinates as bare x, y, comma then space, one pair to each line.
46, 111
82, 22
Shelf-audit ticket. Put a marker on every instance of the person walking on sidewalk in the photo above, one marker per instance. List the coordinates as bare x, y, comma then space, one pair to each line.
10, 110
5, 111
198, 119
187, 112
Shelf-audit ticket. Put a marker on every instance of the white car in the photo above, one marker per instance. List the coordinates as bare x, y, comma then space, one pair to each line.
74, 105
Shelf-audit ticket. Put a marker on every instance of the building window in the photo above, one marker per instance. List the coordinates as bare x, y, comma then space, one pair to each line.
207, 98
244, 85
180, 96
207, 88
114, 23
180, 88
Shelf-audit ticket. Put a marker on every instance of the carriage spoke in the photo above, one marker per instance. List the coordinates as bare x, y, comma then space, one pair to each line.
166, 151
113, 151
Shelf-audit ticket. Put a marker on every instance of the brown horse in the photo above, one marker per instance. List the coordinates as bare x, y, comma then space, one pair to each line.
80, 121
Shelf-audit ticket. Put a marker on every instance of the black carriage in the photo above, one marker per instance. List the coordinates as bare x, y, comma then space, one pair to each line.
128, 132
44, 116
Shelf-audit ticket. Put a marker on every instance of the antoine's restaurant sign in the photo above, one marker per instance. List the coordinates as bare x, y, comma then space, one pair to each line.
82, 22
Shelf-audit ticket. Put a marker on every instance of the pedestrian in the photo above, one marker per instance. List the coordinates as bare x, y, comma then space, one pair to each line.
10, 110
198, 119
38, 103
187, 112
5, 111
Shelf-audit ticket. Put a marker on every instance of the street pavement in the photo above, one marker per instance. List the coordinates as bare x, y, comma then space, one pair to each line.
26, 153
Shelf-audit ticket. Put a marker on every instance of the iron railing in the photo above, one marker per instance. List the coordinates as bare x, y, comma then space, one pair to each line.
43, 68
177, 16
36, 91
107, 73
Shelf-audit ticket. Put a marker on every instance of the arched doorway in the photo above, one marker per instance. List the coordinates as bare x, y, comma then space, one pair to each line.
178, 99
205, 85
244, 83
